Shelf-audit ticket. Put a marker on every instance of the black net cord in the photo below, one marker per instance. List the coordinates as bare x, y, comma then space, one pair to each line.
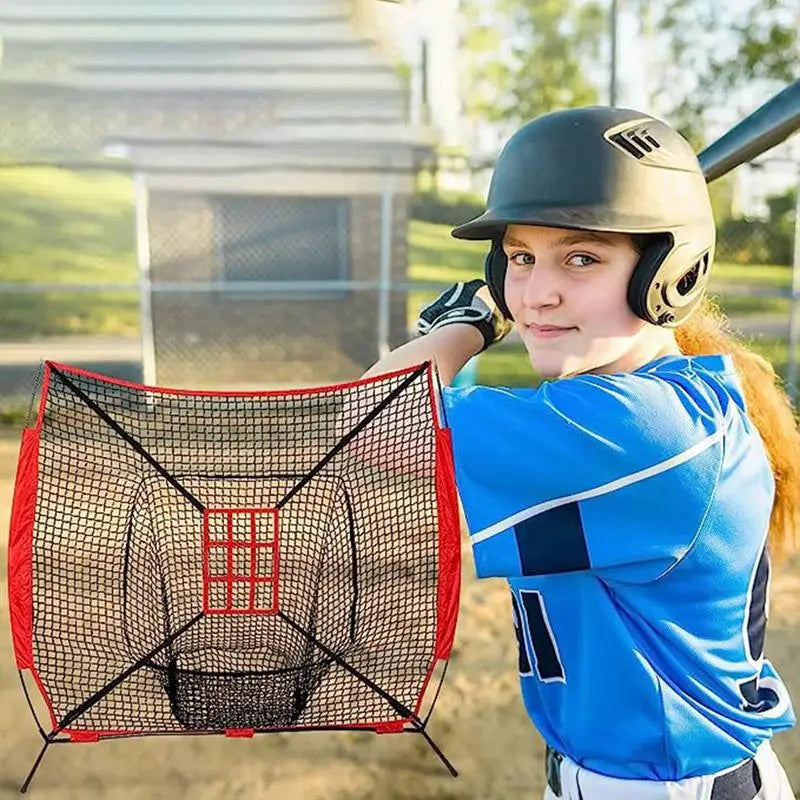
436, 696
354, 557
393, 702
111, 685
107, 418
36, 390
27, 783
348, 437
30, 705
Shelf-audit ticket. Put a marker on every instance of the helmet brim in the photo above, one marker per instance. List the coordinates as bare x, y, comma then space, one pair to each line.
492, 224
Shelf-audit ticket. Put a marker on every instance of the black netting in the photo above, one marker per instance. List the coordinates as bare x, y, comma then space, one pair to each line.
268, 238
36, 397
154, 507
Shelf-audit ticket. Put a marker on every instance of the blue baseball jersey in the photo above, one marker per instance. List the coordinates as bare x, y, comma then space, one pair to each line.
629, 514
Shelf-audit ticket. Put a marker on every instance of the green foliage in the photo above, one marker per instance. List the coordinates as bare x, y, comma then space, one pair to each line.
434, 255
721, 193
715, 51
507, 365
528, 57
27, 317
755, 241
782, 206
13, 417
404, 71
768, 41
446, 208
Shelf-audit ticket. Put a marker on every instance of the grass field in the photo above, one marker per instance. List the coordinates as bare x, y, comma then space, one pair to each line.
59, 227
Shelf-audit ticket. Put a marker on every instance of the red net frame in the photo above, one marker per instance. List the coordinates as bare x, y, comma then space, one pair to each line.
79, 392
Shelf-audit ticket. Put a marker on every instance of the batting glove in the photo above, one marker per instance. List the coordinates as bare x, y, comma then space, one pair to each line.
469, 303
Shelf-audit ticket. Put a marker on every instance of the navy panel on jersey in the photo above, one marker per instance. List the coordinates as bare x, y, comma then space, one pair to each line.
556, 450
552, 542
524, 662
756, 617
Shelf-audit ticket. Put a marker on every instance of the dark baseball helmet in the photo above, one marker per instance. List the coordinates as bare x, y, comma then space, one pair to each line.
607, 169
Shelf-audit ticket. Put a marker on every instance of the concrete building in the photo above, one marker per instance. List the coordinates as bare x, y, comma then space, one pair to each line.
267, 139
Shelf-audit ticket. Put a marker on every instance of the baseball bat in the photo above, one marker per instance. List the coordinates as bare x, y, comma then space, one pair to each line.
767, 126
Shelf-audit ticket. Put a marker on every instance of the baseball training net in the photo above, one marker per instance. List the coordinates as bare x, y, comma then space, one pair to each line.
195, 562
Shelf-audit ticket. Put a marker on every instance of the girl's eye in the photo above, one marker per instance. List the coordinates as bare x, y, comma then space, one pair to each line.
521, 259
585, 262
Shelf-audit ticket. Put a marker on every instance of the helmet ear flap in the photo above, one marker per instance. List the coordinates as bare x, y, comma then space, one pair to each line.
659, 294
641, 281
495, 268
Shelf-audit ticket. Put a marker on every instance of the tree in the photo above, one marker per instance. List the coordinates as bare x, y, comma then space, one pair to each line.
527, 57
720, 57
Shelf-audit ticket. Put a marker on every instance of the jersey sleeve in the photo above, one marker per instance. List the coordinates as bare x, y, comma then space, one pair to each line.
613, 473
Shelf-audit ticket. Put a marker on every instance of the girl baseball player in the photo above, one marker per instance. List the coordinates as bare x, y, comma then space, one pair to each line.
634, 499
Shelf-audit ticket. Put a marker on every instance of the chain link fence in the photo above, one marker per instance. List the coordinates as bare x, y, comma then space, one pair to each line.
197, 288
213, 290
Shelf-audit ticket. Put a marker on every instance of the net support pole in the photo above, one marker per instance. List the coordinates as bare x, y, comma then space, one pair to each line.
385, 276
435, 747
24, 787
794, 312
145, 283
399, 708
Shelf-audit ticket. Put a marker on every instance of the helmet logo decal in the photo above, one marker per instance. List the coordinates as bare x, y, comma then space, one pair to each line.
637, 140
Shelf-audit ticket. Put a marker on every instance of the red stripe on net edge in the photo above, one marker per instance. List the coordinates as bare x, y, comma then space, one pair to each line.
449, 585
394, 726
20, 558
238, 393
20, 549
449, 545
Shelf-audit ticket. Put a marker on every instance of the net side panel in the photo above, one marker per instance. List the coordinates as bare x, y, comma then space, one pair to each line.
449, 545
117, 563
20, 544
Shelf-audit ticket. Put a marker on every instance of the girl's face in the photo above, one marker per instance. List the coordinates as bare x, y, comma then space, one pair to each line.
567, 292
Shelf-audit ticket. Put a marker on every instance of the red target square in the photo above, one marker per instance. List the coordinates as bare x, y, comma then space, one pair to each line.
240, 560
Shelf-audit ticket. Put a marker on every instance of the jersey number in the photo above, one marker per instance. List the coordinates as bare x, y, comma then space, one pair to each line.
756, 630
532, 624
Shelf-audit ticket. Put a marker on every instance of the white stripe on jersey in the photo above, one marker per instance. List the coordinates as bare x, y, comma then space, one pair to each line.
620, 483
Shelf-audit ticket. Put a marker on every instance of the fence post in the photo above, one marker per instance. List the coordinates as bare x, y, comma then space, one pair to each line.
385, 277
149, 376
794, 321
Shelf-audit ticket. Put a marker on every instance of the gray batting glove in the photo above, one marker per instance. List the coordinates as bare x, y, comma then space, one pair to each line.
469, 303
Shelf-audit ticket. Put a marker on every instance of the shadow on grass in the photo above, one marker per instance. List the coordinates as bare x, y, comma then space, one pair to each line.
26, 317
53, 233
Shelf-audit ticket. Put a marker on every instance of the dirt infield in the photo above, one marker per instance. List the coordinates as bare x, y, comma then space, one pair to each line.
478, 722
